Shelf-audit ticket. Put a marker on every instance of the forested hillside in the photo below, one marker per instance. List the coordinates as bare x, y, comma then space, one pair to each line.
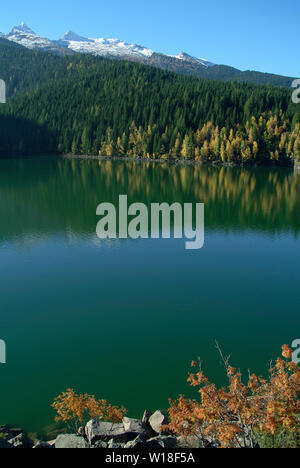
119, 108
217, 72
25, 70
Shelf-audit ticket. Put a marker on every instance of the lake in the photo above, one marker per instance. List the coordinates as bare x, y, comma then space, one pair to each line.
123, 319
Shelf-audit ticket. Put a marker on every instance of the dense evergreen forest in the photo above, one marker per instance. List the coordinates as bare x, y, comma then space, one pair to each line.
217, 72
107, 107
25, 70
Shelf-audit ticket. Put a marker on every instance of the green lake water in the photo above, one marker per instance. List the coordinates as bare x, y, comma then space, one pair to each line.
123, 319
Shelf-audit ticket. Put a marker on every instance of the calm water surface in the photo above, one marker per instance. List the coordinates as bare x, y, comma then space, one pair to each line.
123, 319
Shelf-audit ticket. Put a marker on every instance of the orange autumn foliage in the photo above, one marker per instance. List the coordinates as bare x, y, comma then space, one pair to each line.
75, 410
234, 416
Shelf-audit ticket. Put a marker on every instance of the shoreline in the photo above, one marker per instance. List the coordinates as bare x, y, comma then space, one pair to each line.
151, 432
177, 162
128, 433
187, 162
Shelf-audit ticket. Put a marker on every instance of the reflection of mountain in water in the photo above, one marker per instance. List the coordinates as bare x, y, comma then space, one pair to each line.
42, 197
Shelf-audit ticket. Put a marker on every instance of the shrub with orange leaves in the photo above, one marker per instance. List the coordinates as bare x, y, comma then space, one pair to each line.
237, 416
76, 410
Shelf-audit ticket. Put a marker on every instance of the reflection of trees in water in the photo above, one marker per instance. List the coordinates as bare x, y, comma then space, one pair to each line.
55, 195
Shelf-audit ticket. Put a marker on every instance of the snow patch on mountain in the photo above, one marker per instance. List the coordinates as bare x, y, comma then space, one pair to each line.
24, 36
188, 58
103, 47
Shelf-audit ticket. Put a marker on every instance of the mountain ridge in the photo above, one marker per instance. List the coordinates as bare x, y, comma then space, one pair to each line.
71, 43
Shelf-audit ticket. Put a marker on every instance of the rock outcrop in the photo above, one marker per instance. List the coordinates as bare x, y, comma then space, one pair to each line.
139, 434
157, 420
71, 441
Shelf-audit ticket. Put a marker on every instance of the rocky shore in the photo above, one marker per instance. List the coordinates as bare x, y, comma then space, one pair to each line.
129, 434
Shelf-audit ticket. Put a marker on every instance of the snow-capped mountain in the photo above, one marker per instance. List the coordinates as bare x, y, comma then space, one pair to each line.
70, 36
74, 43
24, 36
23, 28
102, 47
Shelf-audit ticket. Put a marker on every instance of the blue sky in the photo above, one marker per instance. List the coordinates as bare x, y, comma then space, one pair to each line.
259, 34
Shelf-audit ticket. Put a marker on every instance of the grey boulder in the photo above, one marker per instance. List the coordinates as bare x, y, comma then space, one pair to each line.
157, 420
135, 427
97, 430
70, 441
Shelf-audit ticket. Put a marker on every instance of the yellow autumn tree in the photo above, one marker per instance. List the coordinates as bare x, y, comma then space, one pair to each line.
76, 410
238, 415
